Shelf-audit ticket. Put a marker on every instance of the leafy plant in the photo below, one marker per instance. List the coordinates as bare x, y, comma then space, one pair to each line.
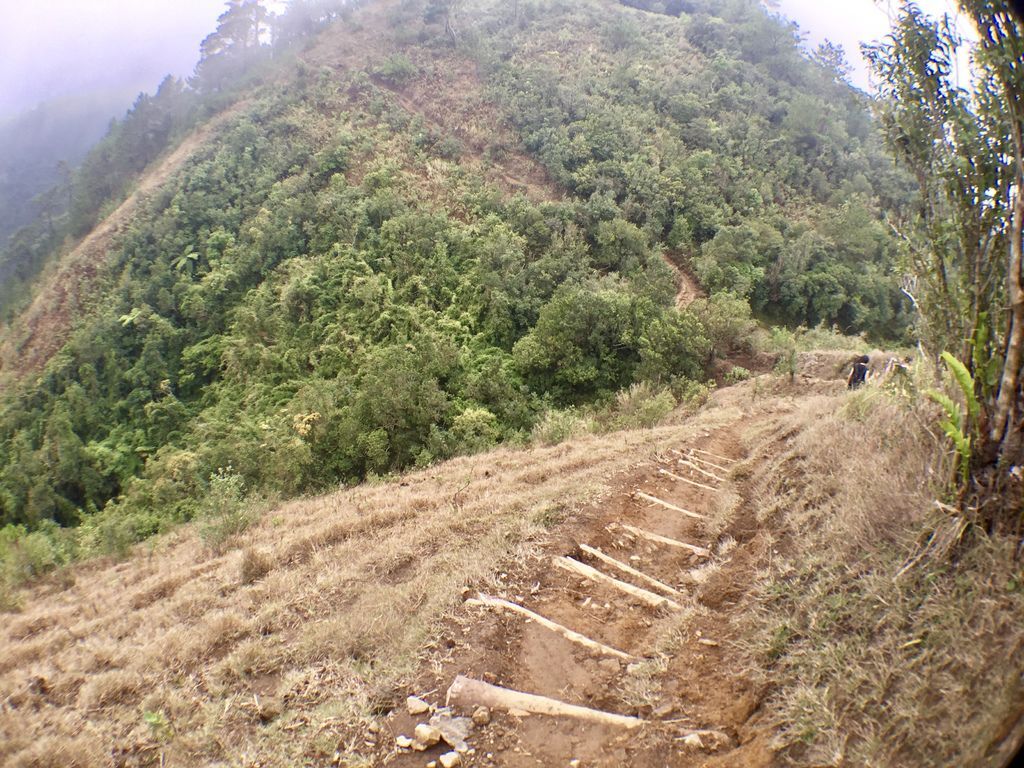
224, 512
159, 725
956, 425
396, 69
737, 374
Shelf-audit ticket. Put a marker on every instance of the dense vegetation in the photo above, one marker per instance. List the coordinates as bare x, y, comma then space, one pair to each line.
58, 178
326, 291
760, 168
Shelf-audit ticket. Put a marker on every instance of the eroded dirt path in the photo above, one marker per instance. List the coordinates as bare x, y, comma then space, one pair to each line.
683, 677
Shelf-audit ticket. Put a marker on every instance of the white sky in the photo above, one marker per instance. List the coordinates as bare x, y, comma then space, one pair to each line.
852, 22
54, 48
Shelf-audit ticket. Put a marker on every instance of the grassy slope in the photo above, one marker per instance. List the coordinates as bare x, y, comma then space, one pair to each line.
340, 596
288, 646
333, 600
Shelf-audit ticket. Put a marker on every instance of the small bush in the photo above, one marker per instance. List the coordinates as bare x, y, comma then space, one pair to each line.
821, 337
692, 394
396, 69
642, 406
224, 512
558, 426
27, 555
785, 343
727, 322
737, 374
475, 429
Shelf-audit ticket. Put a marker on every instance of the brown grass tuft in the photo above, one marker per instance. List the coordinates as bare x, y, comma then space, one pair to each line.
60, 752
118, 687
254, 565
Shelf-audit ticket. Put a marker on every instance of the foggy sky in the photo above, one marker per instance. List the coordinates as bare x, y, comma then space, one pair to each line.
852, 22
54, 48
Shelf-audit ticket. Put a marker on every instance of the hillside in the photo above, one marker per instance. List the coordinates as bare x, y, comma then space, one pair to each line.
299, 642
494, 354
401, 244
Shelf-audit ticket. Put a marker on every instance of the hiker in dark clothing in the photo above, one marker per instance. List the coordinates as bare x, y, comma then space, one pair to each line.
859, 372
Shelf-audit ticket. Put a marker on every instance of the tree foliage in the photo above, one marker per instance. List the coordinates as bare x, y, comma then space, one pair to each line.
963, 241
320, 295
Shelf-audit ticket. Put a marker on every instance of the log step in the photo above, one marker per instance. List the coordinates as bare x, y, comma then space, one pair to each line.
649, 580
575, 637
467, 693
668, 505
659, 539
686, 480
582, 569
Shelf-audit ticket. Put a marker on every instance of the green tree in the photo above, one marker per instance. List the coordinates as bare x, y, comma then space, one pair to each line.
966, 149
228, 50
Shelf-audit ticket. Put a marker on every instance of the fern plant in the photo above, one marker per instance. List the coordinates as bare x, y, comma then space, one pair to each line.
958, 426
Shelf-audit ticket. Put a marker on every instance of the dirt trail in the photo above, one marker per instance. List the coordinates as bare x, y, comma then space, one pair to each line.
41, 330
689, 288
684, 678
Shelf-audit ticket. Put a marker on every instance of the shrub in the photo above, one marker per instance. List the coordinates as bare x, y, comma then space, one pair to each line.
784, 342
692, 394
727, 322
737, 374
475, 429
642, 406
396, 69
26, 555
558, 426
224, 512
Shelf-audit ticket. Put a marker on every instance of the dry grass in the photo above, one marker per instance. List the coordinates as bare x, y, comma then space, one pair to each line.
868, 667
280, 650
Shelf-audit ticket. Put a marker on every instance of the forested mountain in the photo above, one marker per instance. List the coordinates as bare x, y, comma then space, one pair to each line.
420, 226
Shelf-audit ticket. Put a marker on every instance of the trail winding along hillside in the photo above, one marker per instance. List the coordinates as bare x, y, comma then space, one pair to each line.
302, 641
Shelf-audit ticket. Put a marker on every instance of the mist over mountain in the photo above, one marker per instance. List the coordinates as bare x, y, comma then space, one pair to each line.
99, 47
99, 56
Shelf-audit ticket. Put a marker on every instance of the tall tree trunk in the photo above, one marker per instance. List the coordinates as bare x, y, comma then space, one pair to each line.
1006, 404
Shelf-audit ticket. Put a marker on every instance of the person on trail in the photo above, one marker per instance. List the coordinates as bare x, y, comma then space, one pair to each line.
859, 372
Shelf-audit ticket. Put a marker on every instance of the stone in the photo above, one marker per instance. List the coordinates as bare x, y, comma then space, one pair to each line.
481, 716
610, 665
664, 710
454, 730
694, 741
574, 763
416, 705
450, 760
426, 736
432, 764
404, 742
